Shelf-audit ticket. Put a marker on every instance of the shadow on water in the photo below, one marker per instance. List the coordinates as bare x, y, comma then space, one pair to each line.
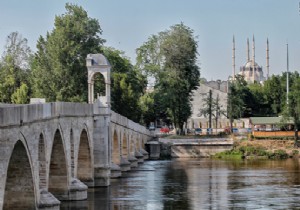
193, 184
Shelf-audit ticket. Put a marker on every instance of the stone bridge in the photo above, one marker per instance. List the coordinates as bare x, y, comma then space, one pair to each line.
54, 151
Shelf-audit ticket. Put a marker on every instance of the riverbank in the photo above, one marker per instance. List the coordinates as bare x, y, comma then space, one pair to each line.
261, 149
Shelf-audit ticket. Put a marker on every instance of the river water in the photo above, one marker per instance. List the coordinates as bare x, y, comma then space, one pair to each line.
192, 184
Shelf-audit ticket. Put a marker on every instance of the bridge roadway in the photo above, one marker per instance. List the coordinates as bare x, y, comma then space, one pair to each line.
55, 151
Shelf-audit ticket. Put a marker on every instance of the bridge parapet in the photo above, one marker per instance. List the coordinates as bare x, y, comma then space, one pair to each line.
125, 122
18, 114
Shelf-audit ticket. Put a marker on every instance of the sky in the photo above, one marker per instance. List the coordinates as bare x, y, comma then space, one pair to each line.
128, 24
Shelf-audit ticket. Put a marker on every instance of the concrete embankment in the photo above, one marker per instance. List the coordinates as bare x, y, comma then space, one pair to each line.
187, 148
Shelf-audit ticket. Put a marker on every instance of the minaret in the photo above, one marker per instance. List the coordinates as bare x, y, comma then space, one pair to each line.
233, 58
253, 59
268, 58
248, 50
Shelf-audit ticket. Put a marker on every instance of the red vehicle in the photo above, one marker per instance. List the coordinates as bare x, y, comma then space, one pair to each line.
164, 130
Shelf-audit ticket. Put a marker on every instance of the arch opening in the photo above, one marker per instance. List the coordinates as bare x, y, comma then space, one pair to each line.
124, 147
72, 153
115, 148
42, 163
99, 85
58, 180
19, 188
84, 167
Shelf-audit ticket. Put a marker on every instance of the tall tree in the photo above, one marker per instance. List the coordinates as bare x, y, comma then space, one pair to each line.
127, 85
208, 108
59, 71
235, 99
170, 57
14, 69
292, 109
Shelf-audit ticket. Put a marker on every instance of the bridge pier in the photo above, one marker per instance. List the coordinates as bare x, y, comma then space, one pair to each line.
133, 161
139, 156
77, 191
125, 164
48, 201
102, 176
115, 171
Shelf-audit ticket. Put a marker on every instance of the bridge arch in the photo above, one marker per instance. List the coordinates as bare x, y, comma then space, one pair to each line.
58, 173
125, 145
19, 187
84, 158
116, 148
132, 144
42, 163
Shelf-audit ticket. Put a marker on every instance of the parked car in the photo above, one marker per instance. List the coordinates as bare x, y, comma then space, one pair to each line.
151, 128
209, 131
164, 130
235, 130
198, 131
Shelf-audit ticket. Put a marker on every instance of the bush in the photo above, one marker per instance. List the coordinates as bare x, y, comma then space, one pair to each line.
278, 154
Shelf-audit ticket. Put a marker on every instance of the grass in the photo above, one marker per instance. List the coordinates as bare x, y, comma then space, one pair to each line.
240, 152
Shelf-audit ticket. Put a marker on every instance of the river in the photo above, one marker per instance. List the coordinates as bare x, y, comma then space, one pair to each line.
192, 184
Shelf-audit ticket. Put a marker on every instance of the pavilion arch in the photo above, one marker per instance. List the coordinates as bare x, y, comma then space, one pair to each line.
99, 85
115, 148
42, 163
58, 173
16, 195
84, 159
97, 63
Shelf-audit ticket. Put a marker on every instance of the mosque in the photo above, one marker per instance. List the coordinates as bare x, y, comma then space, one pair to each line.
251, 71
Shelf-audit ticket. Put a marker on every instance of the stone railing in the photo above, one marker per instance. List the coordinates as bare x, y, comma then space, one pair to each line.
19, 114
123, 121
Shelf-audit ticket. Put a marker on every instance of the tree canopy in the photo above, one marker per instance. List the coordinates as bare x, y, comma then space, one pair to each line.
59, 71
170, 58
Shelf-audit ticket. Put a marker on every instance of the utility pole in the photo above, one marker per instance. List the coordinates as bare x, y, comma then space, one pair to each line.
287, 74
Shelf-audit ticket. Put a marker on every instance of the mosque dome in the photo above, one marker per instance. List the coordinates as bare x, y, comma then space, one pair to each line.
250, 64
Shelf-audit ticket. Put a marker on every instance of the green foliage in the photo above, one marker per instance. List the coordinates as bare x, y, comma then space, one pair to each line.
170, 58
14, 69
20, 96
127, 85
59, 72
252, 150
230, 154
278, 154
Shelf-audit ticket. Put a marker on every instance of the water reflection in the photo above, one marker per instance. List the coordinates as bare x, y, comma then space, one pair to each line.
200, 184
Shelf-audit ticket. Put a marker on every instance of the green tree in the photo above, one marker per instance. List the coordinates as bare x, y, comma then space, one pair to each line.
274, 94
208, 108
127, 85
235, 99
14, 67
20, 96
59, 68
170, 58
292, 109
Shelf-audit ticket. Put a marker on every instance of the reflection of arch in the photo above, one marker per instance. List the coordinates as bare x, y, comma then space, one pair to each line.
84, 163
19, 188
115, 149
58, 179
42, 163
124, 146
